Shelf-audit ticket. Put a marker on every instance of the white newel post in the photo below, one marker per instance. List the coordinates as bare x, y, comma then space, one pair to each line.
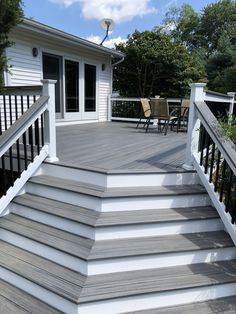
109, 108
231, 106
50, 119
197, 94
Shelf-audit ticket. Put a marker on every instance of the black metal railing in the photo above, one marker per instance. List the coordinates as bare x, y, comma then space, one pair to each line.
217, 156
131, 108
12, 107
21, 143
126, 108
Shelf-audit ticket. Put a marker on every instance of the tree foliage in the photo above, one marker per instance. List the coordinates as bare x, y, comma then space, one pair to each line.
10, 15
211, 37
154, 64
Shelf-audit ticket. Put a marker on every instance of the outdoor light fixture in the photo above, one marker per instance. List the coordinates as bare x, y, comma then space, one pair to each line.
107, 25
35, 52
103, 67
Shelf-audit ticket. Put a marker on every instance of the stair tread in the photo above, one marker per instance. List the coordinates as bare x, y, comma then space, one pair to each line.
88, 249
219, 306
97, 191
98, 219
58, 279
16, 301
160, 244
125, 284
64, 241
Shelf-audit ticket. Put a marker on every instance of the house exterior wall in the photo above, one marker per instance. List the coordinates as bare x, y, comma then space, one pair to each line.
28, 70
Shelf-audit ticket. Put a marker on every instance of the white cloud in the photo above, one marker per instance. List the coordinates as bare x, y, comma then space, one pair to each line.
110, 43
118, 10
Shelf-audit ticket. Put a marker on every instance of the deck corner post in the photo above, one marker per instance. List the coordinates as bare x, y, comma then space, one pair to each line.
231, 106
109, 108
197, 94
50, 119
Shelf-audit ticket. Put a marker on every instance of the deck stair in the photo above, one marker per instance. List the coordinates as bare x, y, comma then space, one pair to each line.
77, 245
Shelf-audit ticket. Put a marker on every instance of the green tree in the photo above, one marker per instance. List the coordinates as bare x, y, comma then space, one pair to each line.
210, 37
154, 64
217, 21
183, 24
10, 15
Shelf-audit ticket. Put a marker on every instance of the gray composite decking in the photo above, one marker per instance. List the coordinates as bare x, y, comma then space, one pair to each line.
219, 306
120, 146
87, 249
100, 192
15, 301
100, 219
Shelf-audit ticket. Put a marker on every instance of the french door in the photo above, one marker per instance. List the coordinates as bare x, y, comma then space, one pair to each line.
52, 69
72, 90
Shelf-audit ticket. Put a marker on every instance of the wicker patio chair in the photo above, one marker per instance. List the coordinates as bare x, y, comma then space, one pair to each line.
145, 102
160, 111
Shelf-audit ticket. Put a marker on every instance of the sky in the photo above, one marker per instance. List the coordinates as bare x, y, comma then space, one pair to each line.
82, 17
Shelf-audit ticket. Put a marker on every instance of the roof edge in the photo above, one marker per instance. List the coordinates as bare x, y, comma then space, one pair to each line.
48, 30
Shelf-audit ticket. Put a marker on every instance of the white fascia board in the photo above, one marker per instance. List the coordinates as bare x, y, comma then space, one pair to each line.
50, 32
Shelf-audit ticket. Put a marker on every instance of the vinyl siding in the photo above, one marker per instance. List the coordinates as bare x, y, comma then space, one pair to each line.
25, 69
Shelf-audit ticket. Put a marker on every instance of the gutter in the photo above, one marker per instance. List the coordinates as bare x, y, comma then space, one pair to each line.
119, 61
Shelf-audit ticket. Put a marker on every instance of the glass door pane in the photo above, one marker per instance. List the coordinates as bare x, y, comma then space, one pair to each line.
90, 88
52, 70
72, 86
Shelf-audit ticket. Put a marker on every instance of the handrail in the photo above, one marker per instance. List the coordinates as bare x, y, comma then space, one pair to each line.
22, 124
23, 90
213, 128
213, 156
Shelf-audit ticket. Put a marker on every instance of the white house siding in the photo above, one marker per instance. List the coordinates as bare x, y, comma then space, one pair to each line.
104, 91
27, 70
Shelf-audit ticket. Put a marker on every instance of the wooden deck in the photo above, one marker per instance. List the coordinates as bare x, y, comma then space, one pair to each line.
117, 146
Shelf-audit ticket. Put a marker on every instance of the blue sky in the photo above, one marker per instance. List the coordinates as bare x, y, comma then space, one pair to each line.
82, 17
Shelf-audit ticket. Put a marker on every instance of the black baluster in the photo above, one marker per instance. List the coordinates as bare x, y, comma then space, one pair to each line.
37, 141
25, 151
207, 152
222, 180
212, 161
202, 145
228, 193
217, 169
5, 111
10, 110
42, 130
4, 179
16, 108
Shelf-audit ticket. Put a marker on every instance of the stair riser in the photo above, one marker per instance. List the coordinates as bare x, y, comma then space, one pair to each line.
76, 174
157, 229
118, 232
50, 253
122, 179
39, 292
121, 264
158, 300
119, 203
136, 180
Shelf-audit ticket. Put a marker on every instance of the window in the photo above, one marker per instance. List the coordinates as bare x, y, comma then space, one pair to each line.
72, 86
90, 87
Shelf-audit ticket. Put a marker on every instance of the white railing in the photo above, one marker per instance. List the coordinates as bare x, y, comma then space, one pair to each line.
212, 155
27, 142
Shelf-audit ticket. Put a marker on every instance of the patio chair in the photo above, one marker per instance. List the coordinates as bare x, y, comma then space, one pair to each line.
183, 117
160, 111
146, 111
